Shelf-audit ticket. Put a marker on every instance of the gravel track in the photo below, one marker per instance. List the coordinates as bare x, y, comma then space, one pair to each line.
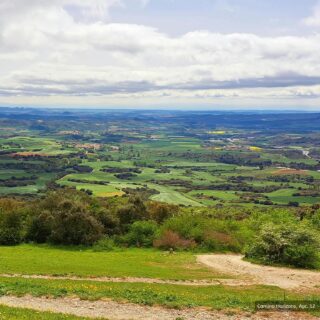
286, 278
127, 311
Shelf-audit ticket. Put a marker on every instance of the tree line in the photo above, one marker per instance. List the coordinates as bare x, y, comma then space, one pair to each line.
70, 217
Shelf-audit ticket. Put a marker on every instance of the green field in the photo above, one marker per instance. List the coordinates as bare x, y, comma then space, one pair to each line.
148, 263
7, 313
181, 166
285, 195
46, 260
157, 188
216, 297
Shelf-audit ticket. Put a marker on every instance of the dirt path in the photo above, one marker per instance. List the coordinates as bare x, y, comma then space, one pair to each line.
246, 274
256, 274
127, 311
231, 282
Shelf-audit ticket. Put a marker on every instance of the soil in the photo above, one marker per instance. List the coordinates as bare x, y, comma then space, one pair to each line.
228, 264
286, 278
229, 282
127, 311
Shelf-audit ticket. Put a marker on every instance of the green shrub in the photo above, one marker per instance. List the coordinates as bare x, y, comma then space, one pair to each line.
220, 241
141, 234
67, 217
11, 228
159, 211
109, 220
315, 220
12, 215
104, 244
134, 210
39, 228
209, 233
289, 244
259, 218
75, 228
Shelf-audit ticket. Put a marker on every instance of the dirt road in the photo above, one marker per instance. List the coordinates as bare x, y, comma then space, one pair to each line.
229, 282
286, 278
245, 273
124, 311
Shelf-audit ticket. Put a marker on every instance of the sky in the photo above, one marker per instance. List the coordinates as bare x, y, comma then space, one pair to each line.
180, 54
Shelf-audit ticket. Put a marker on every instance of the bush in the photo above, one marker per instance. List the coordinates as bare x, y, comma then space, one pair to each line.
76, 228
109, 220
172, 240
208, 233
66, 217
141, 234
315, 220
288, 244
220, 241
135, 210
40, 226
10, 228
104, 244
159, 211
187, 226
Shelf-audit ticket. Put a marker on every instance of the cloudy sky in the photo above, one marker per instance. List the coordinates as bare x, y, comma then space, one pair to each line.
197, 54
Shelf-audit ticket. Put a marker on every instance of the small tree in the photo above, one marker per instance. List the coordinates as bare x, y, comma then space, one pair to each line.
161, 211
133, 211
10, 228
40, 226
141, 234
288, 244
76, 228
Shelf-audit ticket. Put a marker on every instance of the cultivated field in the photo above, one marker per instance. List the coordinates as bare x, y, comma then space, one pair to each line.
139, 215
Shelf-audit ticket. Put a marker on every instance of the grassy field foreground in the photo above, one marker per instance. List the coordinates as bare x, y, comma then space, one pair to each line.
147, 263
7, 313
46, 260
175, 296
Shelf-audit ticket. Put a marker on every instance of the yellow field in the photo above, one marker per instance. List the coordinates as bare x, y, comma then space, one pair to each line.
110, 194
253, 148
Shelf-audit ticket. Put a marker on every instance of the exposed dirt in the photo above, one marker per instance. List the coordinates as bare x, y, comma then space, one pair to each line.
286, 171
286, 278
29, 154
229, 282
127, 311
247, 274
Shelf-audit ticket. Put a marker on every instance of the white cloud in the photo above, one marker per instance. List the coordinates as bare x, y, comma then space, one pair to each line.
144, 3
93, 8
314, 19
52, 49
